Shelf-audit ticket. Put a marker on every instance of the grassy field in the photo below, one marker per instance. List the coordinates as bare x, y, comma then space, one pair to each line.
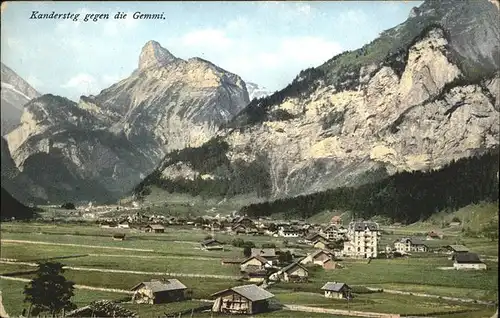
178, 251
12, 294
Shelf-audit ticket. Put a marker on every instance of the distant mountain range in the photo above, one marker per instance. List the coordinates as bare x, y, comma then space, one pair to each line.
101, 147
16, 92
423, 94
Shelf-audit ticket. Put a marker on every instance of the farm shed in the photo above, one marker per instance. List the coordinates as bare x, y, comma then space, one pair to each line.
155, 228
254, 262
317, 257
159, 291
267, 253
294, 273
119, 237
246, 299
337, 290
212, 245
468, 261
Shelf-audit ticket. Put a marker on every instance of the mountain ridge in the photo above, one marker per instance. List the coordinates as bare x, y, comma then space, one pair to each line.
105, 144
411, 105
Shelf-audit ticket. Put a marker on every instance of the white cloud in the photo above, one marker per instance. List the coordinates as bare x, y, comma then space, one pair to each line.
79, 80
213, 38
86, 84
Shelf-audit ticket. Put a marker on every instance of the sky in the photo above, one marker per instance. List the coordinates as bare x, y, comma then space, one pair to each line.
267, 43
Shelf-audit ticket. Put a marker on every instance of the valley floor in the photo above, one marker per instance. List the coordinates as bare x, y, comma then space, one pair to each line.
94, 260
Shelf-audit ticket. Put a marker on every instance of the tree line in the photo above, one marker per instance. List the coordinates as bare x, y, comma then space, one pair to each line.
404, 197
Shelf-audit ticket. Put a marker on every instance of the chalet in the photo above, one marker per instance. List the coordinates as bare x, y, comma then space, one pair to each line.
253, 263
333, 232
245, 221
267, 253
119, 237
288, 232
124, 224
313, 237
337, 290
212, 245
407, 244
317, 257
246, 299
468, 261
158, 291
155, 228
294, 273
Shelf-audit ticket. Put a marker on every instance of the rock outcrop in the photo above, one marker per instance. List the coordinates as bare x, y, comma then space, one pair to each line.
362, 116
16, 92
101, 147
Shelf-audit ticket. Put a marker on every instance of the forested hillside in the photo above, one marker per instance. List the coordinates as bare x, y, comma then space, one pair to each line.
404, 197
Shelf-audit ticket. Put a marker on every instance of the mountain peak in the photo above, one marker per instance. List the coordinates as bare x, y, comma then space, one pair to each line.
153, 54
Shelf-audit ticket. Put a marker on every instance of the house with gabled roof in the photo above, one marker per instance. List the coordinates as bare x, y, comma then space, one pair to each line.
407, 244
212, 245
155, 228
246, 299
337, 290
267, 253
255, 262
158, 291
317, 257
294, 272
313, 237
468, 261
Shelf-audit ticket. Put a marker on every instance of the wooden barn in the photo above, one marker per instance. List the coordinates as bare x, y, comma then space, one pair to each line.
337, 290
119, 237
294, 273
212, 245
246, 299
159, 291
155, 228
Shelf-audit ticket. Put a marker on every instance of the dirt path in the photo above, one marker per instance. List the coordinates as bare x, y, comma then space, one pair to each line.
464, 300
338, 311
122, 271
78, 245
110, 290
159, 256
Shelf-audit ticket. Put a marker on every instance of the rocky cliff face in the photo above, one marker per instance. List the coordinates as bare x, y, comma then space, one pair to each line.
16, 92
102, 146
425, 101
